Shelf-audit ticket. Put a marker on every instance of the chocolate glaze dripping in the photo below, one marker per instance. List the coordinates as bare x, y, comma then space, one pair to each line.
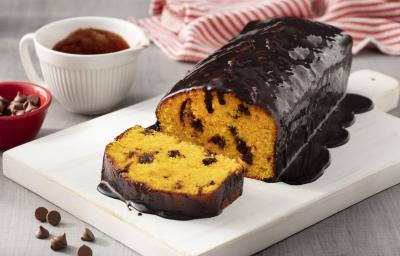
312, 161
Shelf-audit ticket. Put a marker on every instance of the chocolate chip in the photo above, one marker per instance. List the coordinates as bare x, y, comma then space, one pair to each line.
131, 154
212, 183
126, 168
197, 125
221, 99
208, 101
210, 160
88, 235
41, 213
242, 147
84, 251
58, 242
15, 106
233, 130
4, 100
146, 158
182, 110
29, 107
42, 233
53, 217
178, 184
244, 110
218, 140
19, 98
174, 153
139, 214
34, 99
3, 106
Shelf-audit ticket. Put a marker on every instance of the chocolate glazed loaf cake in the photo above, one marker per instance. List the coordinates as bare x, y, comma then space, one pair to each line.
262, 96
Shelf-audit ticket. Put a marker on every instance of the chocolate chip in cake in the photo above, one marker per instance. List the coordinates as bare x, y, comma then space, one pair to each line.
220, 96
209, 160
233, 130
88, 235
126, 168
244, 110
40, 214
59, 242
178, 184
242, 147
182, 110
42, 233
146, 158
84, 251
165, 177
212, 183
208, 101
218, 140
131, 154
197, 125
53, 217
174, 153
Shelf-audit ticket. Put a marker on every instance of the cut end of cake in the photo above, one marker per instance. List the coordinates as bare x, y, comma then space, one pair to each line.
162, 173
224, 124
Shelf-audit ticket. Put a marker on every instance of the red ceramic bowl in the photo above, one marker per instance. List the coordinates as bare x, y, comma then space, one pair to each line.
15, 130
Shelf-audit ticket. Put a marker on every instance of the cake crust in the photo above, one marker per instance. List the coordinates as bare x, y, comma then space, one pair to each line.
171, 204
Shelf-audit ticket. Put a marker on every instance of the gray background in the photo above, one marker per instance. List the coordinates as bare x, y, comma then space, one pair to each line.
371, 227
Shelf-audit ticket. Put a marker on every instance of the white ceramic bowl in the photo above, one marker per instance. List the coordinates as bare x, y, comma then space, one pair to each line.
86, 84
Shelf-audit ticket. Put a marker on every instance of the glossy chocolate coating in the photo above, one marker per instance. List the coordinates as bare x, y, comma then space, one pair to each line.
294, 69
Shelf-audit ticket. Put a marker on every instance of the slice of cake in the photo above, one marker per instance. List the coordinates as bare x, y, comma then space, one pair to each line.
171, 177
262, 96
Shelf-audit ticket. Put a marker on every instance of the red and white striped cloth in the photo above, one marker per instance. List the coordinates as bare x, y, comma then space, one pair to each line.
190, 30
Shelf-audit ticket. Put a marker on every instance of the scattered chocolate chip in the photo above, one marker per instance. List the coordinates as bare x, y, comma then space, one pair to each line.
233, 130
88, 235
182, 110
139, 214
197, 125
178, 184
19, 98
131, 154
84, 251
218, 140
242, 148
165, 177
244, 110
208, 101
212, 183
34, 99
58, 242
146, 158
4, 100
41, 213
210, 160
15, 106
29, 107
53, 217
221, 99
174, 153
42, 233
